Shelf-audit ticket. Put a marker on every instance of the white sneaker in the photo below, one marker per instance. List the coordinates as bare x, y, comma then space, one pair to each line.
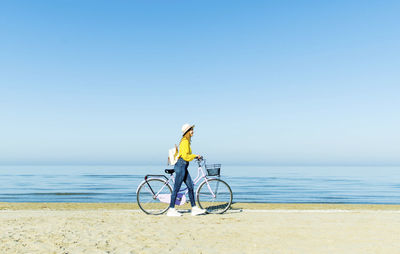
197, 211
173, 212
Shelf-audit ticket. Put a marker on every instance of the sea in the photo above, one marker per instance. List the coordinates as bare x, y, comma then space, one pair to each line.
249, 183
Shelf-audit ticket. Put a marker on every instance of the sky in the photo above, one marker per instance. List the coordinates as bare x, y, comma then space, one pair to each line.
265, 82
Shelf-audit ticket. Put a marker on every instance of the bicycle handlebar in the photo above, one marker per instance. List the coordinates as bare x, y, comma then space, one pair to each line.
200, 160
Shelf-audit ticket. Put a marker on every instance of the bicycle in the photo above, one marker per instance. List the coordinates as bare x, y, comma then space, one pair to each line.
213, 194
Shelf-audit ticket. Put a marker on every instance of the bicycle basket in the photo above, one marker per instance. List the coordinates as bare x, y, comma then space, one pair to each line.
213, 169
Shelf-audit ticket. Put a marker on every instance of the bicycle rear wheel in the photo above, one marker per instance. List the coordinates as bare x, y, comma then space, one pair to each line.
153, 196
215, 196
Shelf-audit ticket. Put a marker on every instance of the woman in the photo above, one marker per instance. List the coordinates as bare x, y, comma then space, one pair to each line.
182, 173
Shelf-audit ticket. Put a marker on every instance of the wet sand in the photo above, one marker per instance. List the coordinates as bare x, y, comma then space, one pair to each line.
247, 228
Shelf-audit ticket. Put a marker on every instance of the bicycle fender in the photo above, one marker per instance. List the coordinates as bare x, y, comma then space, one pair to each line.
140, 184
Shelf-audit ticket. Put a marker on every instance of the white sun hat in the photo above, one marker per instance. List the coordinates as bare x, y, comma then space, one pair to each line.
186, 127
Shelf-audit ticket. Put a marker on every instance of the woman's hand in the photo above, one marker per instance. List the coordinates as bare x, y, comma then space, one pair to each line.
199, 157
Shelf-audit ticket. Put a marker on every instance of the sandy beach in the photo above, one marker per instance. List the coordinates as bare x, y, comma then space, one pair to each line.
247, 228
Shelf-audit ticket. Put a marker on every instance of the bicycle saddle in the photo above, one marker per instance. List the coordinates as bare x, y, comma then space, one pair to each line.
169, 171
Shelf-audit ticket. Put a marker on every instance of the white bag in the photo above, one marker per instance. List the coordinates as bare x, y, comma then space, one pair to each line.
166, 198
173, 156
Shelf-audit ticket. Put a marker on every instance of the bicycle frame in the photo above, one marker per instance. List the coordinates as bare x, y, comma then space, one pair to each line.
156, 177
200, 175
170, 181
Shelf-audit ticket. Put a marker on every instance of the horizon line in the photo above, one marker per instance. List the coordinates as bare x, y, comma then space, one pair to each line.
140, 163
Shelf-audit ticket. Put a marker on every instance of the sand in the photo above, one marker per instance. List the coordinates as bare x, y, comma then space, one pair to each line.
247, 228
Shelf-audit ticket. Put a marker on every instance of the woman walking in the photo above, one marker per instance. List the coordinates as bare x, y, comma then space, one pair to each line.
182, 174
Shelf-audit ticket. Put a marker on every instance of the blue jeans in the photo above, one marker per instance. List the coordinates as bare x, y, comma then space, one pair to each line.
182, 174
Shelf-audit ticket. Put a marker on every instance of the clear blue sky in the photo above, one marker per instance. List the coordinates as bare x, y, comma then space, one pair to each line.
273, 82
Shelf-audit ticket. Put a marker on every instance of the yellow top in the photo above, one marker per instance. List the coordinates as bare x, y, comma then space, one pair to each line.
185, 152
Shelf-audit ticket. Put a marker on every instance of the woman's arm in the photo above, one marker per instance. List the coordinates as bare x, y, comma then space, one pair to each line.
184, 151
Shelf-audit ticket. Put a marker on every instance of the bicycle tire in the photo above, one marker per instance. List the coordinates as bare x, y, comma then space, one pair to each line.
223, 196
145, 198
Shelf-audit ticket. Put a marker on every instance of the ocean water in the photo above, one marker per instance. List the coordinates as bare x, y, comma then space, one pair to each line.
367, 185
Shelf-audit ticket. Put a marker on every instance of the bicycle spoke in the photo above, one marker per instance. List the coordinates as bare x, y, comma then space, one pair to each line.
215, 196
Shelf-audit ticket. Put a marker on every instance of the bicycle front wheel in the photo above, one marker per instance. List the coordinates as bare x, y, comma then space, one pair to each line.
153, 196
215, 196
